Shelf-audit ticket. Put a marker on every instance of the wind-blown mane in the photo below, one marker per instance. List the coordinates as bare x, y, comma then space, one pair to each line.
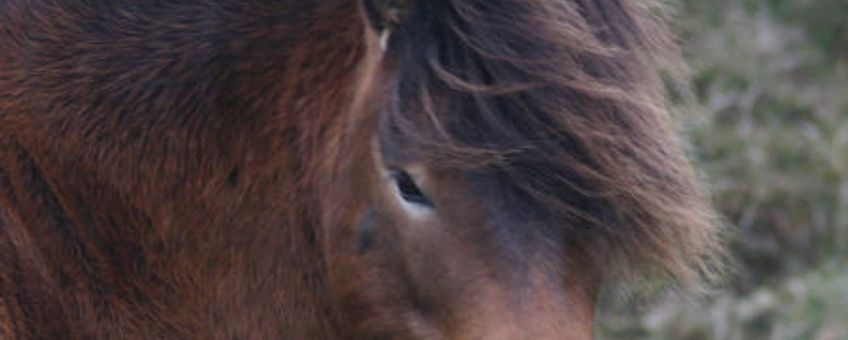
208, 169
557, 94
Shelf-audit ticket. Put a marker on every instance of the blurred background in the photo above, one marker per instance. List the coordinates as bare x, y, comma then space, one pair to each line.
771, 80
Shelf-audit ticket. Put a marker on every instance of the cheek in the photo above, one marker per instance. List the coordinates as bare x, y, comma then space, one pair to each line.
446, 278
365, 232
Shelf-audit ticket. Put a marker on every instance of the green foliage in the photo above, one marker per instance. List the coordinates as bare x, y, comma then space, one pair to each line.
809, 306
771, 77
824, 20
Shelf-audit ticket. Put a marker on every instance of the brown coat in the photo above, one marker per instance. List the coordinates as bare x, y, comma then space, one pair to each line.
235, 168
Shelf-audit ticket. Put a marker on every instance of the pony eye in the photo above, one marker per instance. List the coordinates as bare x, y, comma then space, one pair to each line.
409, 190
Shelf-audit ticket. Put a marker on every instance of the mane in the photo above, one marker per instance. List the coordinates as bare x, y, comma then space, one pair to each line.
562, 100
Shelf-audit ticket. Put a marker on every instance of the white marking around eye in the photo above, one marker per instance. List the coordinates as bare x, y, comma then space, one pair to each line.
414, 210
385, 35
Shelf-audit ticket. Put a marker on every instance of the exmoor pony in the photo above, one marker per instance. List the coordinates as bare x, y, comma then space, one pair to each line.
324, 169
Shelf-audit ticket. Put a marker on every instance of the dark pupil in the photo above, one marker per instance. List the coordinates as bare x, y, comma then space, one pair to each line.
409, 191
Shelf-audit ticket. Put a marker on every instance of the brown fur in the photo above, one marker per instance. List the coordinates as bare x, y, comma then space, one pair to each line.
218, 170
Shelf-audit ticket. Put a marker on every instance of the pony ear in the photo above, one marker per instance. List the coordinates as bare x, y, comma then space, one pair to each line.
385, 15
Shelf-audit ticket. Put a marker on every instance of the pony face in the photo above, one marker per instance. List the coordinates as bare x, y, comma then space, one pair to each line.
454, 255
431, 251
508, 159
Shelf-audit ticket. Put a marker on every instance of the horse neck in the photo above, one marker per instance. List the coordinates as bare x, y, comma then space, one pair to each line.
208, 192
